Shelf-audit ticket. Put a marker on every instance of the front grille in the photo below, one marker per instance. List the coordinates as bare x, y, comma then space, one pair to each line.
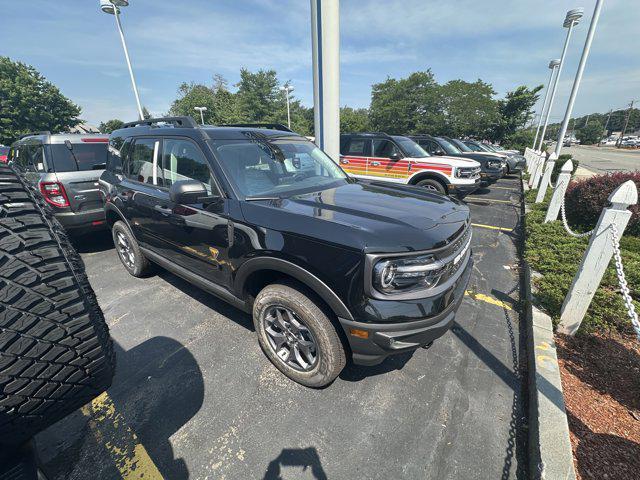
468, 172
449, 254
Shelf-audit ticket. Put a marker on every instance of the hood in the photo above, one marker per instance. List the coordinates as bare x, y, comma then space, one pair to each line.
449, 161
368, 216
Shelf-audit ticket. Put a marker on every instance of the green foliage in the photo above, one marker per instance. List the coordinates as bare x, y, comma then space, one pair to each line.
354, 120
562, 159
591, 134
110, 125
29, 103
519, 140
556, 255
468, 108
515, 111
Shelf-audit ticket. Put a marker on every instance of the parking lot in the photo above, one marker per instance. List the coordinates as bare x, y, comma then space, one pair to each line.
194, 396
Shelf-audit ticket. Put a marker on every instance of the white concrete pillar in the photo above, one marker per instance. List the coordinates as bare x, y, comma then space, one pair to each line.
596, 258
325, 39
546, 178
558, 193
537, 172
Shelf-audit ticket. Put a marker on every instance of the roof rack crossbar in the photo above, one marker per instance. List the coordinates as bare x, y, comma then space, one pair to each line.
270, 126
183, 122
44, 132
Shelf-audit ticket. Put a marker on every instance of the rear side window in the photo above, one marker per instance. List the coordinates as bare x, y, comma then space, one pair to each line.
141, 161
81, 157
357, 146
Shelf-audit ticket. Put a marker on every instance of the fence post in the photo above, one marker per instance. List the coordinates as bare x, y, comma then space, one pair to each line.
537, 171
558, 193
546, 178
596, 258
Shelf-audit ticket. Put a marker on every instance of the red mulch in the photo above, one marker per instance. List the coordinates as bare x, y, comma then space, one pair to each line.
601, 383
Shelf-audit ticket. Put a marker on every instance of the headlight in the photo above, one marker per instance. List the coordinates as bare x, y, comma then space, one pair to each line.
407, 274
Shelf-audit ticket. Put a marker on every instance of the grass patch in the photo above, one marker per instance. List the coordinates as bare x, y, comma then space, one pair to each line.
551, 251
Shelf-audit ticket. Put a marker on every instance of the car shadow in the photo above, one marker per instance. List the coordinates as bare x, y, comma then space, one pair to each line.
93, 242
355, 373
157, 389
304, 458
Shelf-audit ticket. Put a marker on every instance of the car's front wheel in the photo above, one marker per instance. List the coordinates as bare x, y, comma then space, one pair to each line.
433, 185
128, 250
297, 335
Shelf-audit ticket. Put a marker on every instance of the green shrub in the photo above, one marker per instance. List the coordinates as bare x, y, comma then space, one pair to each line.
586, 198
562, 159
556, 255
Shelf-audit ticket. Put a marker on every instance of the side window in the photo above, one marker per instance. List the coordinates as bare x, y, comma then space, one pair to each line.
36, 158
357, 146
115, 154
140, 166
183, 160
384, 148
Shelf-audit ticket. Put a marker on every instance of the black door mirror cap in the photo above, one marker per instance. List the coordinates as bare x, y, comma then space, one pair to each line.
187, 192
439, 153
395, 156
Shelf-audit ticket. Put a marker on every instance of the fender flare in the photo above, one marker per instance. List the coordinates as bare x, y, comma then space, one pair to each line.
303, 276
429, 173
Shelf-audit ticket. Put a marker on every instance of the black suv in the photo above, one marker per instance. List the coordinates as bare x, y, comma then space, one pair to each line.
492, 169
328, 265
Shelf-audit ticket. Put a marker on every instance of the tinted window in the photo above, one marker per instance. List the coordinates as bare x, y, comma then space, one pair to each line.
83, 156
357, 147
448, 146
140, 166
116, 152
384, 148
411, 148
183, 160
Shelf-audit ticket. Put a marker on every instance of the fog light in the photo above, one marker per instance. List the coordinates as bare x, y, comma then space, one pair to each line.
359, 333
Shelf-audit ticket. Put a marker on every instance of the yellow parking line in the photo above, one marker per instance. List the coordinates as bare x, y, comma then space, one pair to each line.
491, 227
480, 199
486, 298
109, 427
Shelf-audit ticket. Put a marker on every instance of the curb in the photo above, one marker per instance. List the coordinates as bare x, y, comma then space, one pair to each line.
550, 453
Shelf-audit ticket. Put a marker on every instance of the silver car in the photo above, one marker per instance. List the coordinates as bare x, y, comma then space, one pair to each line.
65, 168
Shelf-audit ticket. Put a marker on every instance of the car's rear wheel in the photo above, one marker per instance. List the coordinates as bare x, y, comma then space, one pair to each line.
297, 335
433, 185
129, 251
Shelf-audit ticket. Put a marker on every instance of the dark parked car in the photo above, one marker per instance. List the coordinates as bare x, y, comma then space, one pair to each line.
65, 168
329, 266
514, 162
491, 167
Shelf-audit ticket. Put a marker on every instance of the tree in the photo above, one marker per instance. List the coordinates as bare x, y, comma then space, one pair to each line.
590, 134
354, 120
145, 113
29, 103
259, 99
515, 111
221, 103
110, 125
468, 108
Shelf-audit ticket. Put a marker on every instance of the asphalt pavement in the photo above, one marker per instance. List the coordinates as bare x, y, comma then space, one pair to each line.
600, 160
195, 397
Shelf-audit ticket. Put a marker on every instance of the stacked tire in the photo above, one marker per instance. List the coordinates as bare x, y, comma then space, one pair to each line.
55, 350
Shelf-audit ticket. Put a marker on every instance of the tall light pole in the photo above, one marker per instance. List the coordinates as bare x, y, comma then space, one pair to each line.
287, 89
570, 21
553, 64
112, 7
201, 109
576, 82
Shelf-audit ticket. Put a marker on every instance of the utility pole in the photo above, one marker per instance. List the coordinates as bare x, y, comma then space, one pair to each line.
606, 124
626, 124
586, 124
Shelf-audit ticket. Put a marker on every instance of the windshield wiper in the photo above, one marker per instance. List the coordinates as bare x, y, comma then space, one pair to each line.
256, 199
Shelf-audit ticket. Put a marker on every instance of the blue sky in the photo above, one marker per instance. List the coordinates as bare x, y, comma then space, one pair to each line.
503, 42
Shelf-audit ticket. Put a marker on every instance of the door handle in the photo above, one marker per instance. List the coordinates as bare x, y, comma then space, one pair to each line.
162, 210
375, 164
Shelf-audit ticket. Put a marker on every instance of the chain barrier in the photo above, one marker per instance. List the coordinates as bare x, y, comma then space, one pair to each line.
566, 224
624, 288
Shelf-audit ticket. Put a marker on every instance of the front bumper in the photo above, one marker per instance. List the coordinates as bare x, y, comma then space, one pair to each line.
385, 339
462, 190
490, 176
88, 220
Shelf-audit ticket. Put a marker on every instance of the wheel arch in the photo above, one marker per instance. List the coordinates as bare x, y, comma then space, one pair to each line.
259, 272
424, 175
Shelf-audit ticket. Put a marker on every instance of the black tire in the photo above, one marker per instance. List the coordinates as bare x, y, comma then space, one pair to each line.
136, 263
331, 357
434, 185
55, 349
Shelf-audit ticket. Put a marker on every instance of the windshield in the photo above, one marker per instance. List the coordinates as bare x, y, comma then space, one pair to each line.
474, 147
264, 167
84, 156
411, 148
448, 146
463, 147
488, 148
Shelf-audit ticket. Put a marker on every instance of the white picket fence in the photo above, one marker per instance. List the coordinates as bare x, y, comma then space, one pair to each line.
604, 240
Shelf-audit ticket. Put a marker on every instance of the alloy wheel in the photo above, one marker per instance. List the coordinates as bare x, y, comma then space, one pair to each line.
290, 339
125, 251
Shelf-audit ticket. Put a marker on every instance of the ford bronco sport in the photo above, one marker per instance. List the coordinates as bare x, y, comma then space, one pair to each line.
328, 265
399, 159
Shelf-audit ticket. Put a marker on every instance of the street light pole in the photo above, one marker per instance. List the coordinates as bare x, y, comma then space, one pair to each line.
287, 89
201, 109
552, 67
626, 124
571, 20
111, 7
581, 66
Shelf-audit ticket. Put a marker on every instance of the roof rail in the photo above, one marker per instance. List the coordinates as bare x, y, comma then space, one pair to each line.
270, 126
183, 122
44, 132
379, 134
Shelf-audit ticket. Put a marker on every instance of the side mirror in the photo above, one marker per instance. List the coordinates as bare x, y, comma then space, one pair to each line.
395, 156
439, 153
187, 192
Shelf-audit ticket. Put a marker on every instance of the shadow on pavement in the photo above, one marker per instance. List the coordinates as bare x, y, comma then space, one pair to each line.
355, 373
99, 241
296, 457
157, 389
